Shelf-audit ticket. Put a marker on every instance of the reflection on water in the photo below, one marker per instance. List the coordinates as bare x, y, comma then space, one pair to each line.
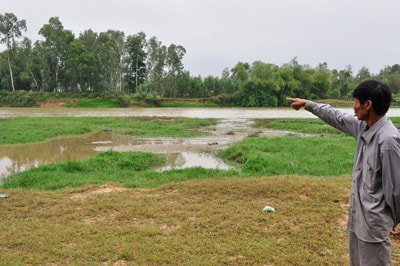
191, 159
18, 158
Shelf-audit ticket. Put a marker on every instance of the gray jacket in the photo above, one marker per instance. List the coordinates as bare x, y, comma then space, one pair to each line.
375, 193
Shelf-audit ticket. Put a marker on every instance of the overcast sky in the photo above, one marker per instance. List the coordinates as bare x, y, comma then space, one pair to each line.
219, 33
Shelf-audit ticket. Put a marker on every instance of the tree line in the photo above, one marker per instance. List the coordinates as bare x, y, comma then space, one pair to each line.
111, 62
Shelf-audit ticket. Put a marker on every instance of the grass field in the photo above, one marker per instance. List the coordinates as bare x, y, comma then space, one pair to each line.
114, 210
206, 222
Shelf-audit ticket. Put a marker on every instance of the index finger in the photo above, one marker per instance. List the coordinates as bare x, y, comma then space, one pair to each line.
291, 99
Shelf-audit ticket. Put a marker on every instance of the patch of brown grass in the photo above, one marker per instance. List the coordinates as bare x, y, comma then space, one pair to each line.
96, 190
208, 222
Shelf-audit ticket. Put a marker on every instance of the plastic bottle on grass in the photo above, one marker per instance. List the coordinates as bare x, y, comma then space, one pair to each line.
268, 209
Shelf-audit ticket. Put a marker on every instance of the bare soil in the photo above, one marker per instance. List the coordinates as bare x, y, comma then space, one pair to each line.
54, 103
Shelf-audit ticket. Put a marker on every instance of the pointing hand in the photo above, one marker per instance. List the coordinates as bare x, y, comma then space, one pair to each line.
297, 103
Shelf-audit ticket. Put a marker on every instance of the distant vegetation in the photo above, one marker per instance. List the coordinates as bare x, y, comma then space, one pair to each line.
137, 67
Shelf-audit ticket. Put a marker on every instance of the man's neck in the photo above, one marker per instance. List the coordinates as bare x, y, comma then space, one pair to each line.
372, 119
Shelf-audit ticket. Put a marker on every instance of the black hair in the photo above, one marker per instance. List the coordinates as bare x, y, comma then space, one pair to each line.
375, 91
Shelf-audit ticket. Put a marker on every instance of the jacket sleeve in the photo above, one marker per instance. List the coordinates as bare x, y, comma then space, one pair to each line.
391, 181
343, 121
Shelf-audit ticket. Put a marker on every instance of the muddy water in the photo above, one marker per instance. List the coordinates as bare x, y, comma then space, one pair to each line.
179, 152
233, 125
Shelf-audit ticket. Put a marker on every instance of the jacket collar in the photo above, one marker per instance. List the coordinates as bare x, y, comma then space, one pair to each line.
369, 133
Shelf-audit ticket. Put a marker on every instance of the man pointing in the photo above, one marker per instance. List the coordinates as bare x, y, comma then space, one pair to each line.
375, 193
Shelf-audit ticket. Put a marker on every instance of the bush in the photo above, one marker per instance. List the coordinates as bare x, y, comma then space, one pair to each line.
17, 99
124, 101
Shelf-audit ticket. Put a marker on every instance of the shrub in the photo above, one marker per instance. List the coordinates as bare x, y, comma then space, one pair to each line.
17, 99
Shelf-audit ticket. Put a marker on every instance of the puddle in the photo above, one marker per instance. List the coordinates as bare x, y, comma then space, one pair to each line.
180, 152
233, 125
191, 159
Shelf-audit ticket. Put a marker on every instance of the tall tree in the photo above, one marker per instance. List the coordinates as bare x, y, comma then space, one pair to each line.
56, 45
157, 53
136, 60
80, 72
94, 69
110, 50
10, 29
156, 62
89, 39
175, 54
241, 72
174, 67
25, 66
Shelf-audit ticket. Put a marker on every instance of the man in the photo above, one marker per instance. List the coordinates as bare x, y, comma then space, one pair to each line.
375, 193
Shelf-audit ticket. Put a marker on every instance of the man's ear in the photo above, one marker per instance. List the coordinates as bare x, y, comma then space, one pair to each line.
368, 105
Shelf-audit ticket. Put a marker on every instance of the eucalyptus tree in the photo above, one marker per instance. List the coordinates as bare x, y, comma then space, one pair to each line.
175, 54
136, 60
174, 67
156, 63
10, 29
26, 66
55, 47
41, 67
89, 40
110, 52
4, 74
81, 68
94, 72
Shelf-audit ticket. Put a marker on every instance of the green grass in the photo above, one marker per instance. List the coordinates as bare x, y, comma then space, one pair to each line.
329, 155
113, 209
208, 222
308, 126
315, 156
130, 169
34, 129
